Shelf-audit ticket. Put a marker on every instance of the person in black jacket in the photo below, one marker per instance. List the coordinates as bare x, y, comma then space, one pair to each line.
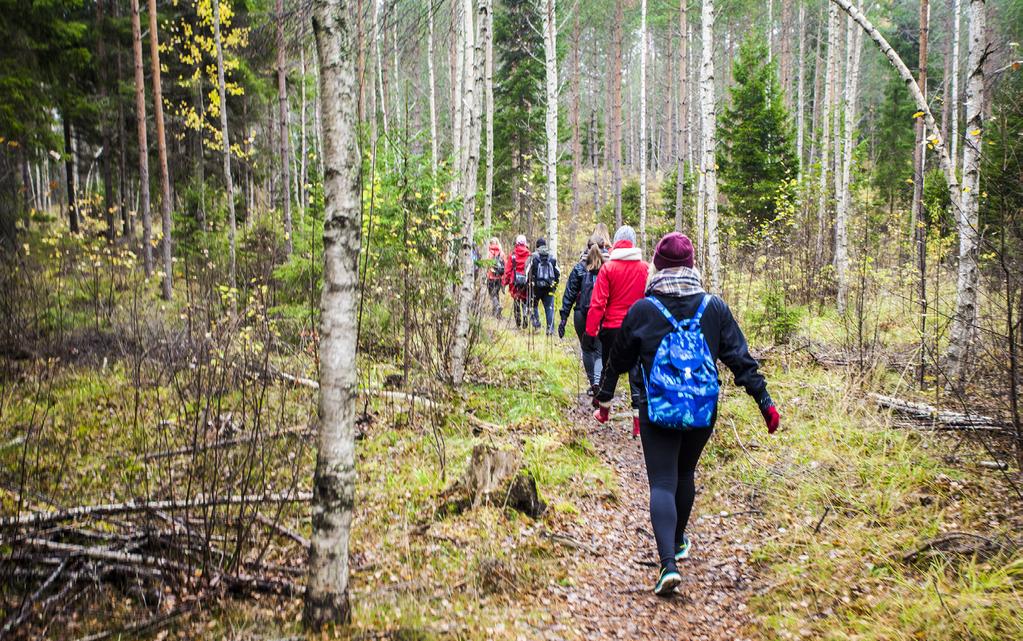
578, 290
671, 454
544, 276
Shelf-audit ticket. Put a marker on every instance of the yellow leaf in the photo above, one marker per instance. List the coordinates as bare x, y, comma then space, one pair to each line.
975, 132
918, 114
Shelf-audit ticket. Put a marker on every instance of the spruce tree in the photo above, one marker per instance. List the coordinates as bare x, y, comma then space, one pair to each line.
756, 153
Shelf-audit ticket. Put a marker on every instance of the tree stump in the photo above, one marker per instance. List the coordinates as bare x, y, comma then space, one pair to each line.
494, 477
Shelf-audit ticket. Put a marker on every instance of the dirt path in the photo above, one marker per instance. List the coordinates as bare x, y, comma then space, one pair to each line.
613, 596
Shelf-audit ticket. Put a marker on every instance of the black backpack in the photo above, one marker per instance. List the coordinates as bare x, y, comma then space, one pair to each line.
586, 291
498, 268
544, 278
519, 281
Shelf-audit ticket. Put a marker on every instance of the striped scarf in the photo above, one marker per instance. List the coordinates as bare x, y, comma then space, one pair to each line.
675, 281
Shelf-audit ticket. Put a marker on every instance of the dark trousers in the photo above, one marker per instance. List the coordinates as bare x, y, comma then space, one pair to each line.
671, 457
494, 290
637, 390
521, 313
547, 299
592, 358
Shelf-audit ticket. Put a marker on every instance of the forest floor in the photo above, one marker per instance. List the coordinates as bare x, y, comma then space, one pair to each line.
613, 597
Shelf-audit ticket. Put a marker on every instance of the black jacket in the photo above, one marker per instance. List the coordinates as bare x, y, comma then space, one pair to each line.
644, 327
573, 287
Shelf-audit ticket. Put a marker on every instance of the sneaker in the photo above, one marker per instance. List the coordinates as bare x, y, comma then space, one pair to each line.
683, 548
667, 581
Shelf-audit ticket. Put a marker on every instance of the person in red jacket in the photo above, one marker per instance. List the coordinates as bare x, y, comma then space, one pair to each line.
620, 283
495, 275
516, 280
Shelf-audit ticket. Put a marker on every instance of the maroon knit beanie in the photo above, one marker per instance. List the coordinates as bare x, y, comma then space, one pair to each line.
674, 250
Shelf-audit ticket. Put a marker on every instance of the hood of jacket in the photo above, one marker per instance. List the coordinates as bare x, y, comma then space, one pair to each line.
522, 254
623, 250
493, 251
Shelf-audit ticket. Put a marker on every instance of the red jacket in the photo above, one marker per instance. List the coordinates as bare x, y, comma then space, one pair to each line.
516, 264
493, 251
620, 283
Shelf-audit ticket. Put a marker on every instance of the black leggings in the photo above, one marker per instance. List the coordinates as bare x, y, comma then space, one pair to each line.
671, 457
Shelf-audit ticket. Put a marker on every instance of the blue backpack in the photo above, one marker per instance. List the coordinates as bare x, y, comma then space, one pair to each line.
682, 385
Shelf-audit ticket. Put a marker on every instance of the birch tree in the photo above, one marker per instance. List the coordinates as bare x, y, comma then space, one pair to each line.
708, 133
963, 332
954, 78
282, 102
800, 90
828, 114
473, 105
140, 121
616, 110
326, 598
433, 90
550, 46
854, 43
226, 142
643, 45
577, 150
161, 149
919, 224
683, 108
488, 187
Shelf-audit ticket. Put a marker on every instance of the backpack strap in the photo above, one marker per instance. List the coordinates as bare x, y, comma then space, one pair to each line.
664, 310
699, 311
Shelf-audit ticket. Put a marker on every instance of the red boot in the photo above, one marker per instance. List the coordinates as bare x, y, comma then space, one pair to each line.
635, 424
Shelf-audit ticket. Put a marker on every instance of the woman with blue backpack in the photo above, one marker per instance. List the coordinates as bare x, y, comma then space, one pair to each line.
677, 333
578, 292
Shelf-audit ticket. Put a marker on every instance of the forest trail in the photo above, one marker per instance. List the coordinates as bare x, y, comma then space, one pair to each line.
612, 596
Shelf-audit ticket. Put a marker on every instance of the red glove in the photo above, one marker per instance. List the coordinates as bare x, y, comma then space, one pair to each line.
603, 413
771, 418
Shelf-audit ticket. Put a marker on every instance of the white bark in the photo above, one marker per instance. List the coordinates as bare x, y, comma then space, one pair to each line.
433, 91
303, 194
226, 140
683, 109
285, 138
378, 35
326, 598
550, 42
474, 107
954, 98
456, 81
963, 332
488, 188
800, 90
709, 134
643, 46
829, 93
854, 44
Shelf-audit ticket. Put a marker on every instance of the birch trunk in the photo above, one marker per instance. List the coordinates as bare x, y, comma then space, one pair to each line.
456, 83
285, 139
433, 91
643, 46
709, 134
378, 34
683, 108
616, 110
964, 322
577, 149
140, 121
226, 140
488, 188
919, 225
550, 42
161, 148
829, 92
326, 597
800, 91
474, 105
593, 161
854, 40
303, 193
954, 99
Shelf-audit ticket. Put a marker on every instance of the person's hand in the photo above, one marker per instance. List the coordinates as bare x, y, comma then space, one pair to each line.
561, 328
772, 418
603, 412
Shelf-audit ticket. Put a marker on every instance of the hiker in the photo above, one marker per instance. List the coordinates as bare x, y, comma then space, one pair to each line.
495, 275
620, 283
516, 281
544, 276
601, 237
578, 293
677, 334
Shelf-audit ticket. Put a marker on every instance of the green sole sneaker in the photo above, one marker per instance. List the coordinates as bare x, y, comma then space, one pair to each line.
667, 582
683, 548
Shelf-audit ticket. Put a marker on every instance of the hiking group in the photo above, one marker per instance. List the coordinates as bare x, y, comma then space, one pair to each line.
656, 325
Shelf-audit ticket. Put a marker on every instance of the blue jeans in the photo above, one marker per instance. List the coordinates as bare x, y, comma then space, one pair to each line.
547, 298
592, 361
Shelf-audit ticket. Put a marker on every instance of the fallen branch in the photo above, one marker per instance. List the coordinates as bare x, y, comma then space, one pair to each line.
110, 509
574, 544
940, 419
284, 531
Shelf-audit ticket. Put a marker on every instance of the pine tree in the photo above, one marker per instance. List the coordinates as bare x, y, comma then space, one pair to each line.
756, 154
